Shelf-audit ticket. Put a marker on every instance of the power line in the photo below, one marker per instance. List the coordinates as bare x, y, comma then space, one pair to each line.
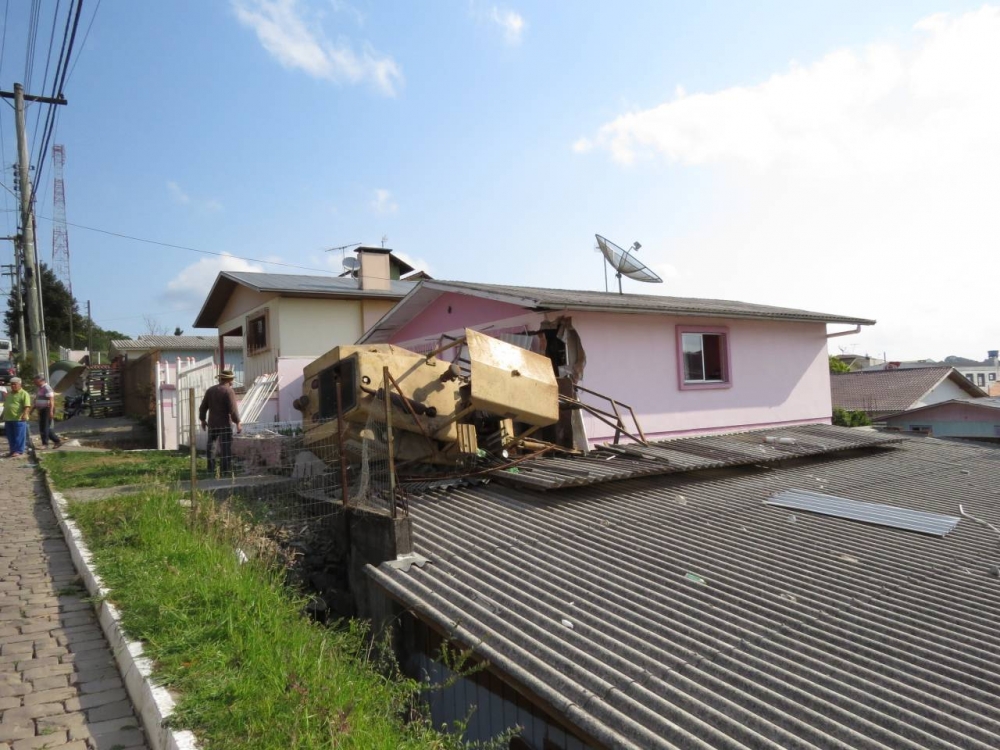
48, 62
185, 247
83, 45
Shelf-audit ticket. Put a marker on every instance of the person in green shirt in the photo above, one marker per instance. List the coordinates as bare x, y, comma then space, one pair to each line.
16, 412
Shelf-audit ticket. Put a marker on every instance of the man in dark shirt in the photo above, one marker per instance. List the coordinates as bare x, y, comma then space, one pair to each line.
220, 406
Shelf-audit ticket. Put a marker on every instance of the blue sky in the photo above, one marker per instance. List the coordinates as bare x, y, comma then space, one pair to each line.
834, 156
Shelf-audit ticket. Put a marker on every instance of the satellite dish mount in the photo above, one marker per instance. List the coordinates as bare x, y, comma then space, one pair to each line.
625, 263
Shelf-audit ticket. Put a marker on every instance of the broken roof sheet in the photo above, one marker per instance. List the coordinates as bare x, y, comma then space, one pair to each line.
610, 463
793, 631
537, 298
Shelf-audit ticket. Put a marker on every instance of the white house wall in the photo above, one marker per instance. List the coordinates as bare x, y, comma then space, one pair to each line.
946, 390
312, 327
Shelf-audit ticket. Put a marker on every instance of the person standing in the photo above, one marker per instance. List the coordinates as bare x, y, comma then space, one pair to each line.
44, 402
219, 404
16, 412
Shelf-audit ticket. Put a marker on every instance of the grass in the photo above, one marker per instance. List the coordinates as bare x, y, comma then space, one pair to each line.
230, 640
115, 468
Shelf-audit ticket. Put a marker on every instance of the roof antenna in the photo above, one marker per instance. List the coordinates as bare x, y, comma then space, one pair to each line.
385, 238
624, 263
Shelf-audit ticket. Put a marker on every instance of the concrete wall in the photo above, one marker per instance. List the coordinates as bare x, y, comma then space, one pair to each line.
311, 327
779, 370
241, 301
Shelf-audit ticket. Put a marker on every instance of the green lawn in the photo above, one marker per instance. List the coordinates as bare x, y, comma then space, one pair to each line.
229, 639
70, 470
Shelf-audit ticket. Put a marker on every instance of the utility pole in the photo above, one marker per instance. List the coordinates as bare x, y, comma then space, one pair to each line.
13, 270
35, 320
90, 332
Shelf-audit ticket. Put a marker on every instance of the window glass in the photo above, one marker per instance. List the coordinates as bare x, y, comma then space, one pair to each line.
694, 368
981, 378
704, 357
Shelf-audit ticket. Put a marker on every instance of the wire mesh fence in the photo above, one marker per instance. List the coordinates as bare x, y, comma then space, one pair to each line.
294, 474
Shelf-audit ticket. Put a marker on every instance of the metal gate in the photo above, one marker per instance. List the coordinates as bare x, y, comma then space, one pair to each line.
200, 376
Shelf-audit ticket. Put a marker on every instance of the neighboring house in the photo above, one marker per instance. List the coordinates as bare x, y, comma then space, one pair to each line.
142, 356
985, 374
879, 393
286, 321
682, 611
978, 418
685, 365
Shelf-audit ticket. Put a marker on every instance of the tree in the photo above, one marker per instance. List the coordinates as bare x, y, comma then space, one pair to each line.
153, 326
837, 365
178, 331
57, 307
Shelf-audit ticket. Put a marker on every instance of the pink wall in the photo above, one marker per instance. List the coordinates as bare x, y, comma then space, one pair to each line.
451, 311
780, 372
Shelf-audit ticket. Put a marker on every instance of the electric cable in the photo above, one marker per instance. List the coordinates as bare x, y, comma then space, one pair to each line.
83, 44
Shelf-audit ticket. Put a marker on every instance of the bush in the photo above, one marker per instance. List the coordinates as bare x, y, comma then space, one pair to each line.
846, 418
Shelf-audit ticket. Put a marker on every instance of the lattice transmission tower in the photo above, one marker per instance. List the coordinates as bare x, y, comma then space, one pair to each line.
60, 235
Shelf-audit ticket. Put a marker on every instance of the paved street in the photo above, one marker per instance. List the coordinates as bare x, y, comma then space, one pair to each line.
59, 686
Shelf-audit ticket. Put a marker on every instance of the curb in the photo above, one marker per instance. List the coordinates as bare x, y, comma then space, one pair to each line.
153, 702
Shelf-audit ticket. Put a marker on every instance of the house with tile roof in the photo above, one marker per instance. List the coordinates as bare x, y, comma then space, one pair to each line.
685, 366
671, 607
285, 321
880, 393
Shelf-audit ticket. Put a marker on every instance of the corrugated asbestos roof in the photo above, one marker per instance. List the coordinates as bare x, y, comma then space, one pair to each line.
682, 612
303, 284
881, 392
208, 343
611, 463
294, 285
580, 299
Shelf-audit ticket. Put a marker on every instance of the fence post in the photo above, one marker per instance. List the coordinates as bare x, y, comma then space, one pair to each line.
340, 446
193, 434
388, 438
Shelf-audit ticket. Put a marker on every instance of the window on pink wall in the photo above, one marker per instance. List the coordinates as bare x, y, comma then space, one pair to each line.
703, 357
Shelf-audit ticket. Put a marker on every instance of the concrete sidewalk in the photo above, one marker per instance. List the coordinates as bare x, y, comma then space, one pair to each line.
59, 686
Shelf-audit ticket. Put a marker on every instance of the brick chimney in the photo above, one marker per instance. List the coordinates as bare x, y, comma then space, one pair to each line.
374, 271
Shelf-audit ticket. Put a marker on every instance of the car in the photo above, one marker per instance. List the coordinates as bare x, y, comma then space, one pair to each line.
7, 371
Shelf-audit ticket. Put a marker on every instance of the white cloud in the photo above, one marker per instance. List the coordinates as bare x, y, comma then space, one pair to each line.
190, 287
864, 183
179, 196
177, 193
511, 22
383, 204
298, 44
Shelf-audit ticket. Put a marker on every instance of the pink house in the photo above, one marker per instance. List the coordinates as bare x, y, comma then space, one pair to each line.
684, 365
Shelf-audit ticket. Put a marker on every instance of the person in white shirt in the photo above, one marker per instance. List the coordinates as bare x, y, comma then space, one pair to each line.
44, 403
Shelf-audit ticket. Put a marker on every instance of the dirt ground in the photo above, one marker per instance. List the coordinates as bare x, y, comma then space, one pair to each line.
89, 433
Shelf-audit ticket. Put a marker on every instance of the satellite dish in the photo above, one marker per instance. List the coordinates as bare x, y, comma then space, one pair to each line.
624, 263
351, 265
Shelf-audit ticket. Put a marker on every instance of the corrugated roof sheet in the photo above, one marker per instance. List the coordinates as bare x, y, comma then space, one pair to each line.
703, 618
881, 392
325, 285
936, 524
611, 463
208, 343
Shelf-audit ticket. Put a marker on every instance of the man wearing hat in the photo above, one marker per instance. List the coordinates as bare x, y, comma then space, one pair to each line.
16, 411
220, 406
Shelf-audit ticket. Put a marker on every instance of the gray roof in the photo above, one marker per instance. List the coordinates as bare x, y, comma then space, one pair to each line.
175, 343
977, 403
882, 392
699, 617
290, 285
577, 299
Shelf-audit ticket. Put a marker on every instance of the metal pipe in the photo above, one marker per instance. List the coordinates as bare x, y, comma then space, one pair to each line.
844, 333
340, 448
386, 378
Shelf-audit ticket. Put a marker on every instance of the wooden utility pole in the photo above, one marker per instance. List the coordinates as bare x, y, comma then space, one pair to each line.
35, 320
